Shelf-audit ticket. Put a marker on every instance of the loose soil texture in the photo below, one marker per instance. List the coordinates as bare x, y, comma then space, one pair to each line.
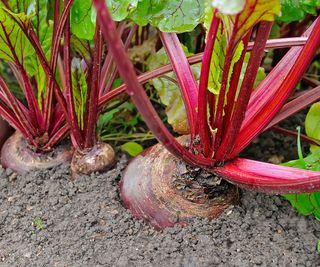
46, 219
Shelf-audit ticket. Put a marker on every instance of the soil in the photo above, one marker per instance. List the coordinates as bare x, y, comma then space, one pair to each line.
46, 219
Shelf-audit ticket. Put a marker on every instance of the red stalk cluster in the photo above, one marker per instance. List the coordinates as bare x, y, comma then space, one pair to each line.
44, 126
242, 118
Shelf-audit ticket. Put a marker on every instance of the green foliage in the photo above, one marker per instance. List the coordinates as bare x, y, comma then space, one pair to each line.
25, 13
312, 123
167, 15
6, 74
105, 119
83, 19
122, 123
39, 224
132, 148
308, 203
169, 93
79, 89
12, 35
293, 10
220, 47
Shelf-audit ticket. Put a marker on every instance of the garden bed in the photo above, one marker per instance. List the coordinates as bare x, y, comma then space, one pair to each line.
48, 220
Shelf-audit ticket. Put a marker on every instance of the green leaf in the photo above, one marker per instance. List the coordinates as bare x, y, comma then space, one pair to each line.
43, 27
83, 15
312, 123
11, 34
120, 9
293, 10
80, 90
83, 19
105, 118
218, 56
307, 204
132, 148
169, 92
33, 65
169, 15
253, 12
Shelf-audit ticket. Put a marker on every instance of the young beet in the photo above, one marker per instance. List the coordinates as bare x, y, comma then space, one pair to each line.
222, 121
39, 122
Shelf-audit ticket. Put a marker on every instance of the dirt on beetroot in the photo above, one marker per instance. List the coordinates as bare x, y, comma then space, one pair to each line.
46, 219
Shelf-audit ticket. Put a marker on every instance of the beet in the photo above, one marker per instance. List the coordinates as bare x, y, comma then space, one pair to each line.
96, 159
17, 155
163, 191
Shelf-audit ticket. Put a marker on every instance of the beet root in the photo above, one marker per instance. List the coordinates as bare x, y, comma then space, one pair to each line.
163, 191
5, 131
96, 159
18, 156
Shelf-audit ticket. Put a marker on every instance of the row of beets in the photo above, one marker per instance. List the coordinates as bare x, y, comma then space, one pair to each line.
158, 186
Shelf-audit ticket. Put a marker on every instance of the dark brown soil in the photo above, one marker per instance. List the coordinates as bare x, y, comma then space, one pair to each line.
48, 220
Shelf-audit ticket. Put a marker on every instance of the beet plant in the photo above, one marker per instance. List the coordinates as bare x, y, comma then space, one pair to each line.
28, 49
66, 75
224, 116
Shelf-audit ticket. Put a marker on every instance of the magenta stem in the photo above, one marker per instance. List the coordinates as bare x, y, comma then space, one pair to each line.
204, 131
93, 96
78, 142
245, 92
187, 83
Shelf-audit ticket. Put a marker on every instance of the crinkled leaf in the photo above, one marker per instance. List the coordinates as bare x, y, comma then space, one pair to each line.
293, 10
169, 15
254, 12
169, 92
132, 148
79, 89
